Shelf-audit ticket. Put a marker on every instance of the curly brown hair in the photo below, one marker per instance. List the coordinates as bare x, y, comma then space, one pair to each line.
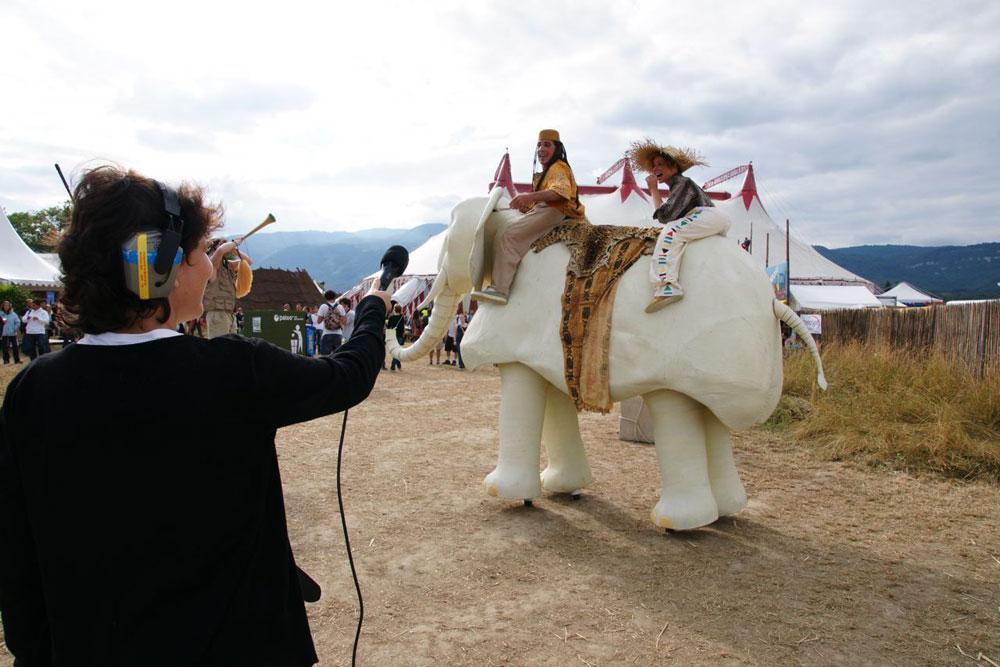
110, 205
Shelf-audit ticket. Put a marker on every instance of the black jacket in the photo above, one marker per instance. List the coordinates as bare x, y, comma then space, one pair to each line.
141, 513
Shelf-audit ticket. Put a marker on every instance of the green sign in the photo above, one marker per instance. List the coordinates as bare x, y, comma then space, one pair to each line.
284, 328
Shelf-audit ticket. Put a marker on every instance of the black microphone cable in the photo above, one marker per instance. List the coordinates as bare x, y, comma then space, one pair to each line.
347, 543
394, 263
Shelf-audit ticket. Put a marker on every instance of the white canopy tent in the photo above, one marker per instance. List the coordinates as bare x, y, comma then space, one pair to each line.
832, 297
19, 265
909, 295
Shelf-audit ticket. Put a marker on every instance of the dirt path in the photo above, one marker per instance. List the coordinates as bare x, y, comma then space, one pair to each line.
830, 564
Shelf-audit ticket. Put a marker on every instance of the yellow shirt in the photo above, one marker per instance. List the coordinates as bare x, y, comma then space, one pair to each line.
559, 179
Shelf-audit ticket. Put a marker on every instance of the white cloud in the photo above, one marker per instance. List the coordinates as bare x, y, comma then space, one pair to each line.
866, 122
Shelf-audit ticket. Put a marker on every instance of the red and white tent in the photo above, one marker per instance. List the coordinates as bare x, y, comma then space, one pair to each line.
409, 289
629, 204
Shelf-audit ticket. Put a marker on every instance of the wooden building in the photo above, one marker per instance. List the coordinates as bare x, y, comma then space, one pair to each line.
272, 288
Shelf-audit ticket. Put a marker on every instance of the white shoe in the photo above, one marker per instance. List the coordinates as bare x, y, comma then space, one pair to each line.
490, 294
660, 302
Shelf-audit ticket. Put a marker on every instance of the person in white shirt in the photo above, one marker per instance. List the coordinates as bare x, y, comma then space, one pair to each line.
449, 341
332, 318
349, 327
36, 322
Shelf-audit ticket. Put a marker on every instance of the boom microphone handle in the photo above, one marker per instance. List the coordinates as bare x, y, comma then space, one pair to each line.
63, 179
394, 263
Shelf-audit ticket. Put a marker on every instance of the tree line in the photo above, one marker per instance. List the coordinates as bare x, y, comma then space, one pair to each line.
40, 229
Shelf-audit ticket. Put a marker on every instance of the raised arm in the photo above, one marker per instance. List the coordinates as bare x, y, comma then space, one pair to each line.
294, 388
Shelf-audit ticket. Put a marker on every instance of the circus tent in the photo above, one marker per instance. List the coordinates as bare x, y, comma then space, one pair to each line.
20, 265
630, 205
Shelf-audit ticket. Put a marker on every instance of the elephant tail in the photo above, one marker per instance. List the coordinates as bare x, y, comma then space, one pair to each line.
788, 316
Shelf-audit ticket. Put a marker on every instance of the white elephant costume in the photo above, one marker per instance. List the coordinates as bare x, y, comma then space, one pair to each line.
705, 365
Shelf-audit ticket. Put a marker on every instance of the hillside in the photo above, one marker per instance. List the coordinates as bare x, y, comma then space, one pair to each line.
950, 272
338, 259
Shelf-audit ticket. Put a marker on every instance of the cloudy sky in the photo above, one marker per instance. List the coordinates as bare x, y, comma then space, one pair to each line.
867, 122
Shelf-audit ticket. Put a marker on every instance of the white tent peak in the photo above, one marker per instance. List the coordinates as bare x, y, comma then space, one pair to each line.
19, 264
906, 293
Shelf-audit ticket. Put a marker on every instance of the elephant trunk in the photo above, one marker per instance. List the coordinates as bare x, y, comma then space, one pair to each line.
788, 316
445, 307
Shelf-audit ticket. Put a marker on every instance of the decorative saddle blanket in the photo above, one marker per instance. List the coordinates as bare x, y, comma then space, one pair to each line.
599, 256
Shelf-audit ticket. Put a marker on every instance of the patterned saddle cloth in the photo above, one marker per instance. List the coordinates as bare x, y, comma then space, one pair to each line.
599, 256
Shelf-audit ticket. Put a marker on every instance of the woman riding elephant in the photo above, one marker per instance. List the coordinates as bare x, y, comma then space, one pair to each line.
680, 214
553, 198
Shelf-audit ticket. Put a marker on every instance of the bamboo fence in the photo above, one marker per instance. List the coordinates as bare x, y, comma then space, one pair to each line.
967, 333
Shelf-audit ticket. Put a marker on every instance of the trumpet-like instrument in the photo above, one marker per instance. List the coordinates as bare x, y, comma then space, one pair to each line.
267, 221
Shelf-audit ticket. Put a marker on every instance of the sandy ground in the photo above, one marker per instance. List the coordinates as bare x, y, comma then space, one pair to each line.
830, 564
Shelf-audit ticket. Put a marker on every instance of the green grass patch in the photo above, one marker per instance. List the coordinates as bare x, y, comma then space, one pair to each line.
896, 408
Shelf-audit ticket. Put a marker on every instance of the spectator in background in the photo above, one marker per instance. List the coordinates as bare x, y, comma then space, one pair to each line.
317, 326
333, 318
11, 325
435, 356
286, 307
396, 321
449, 342
417, 323
238, 314
462, 323
68, 333
345, 303
195, 325
36, 322
50, 327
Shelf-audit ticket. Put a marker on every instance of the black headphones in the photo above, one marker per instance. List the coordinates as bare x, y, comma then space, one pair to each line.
152, 256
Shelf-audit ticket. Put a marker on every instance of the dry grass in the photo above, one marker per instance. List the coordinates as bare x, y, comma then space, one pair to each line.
896, 408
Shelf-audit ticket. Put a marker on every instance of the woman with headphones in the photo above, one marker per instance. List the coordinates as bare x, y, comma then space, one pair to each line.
553, 198
125, 539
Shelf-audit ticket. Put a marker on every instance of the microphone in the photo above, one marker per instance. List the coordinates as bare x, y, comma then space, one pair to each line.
394, 263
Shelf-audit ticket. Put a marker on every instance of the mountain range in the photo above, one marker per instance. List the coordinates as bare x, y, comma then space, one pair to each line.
949, 272
341, 260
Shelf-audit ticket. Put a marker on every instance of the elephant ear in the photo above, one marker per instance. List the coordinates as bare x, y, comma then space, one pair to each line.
477, 257
464, 259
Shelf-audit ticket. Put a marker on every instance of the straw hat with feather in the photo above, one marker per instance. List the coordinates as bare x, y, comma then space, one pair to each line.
643, 152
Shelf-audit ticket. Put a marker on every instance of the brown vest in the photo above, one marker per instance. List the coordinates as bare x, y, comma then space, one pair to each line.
221, 292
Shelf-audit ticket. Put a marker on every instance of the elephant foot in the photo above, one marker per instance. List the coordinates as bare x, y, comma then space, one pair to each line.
685, 511
731, 498
565, 480
503, 484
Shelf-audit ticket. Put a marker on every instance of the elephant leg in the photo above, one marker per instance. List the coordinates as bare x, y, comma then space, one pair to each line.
686, 500
568, 469
727, 488
522, 411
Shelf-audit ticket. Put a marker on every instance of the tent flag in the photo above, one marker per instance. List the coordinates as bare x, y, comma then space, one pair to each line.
778, 275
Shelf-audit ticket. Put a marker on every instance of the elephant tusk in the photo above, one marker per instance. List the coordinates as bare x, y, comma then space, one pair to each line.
788, 316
